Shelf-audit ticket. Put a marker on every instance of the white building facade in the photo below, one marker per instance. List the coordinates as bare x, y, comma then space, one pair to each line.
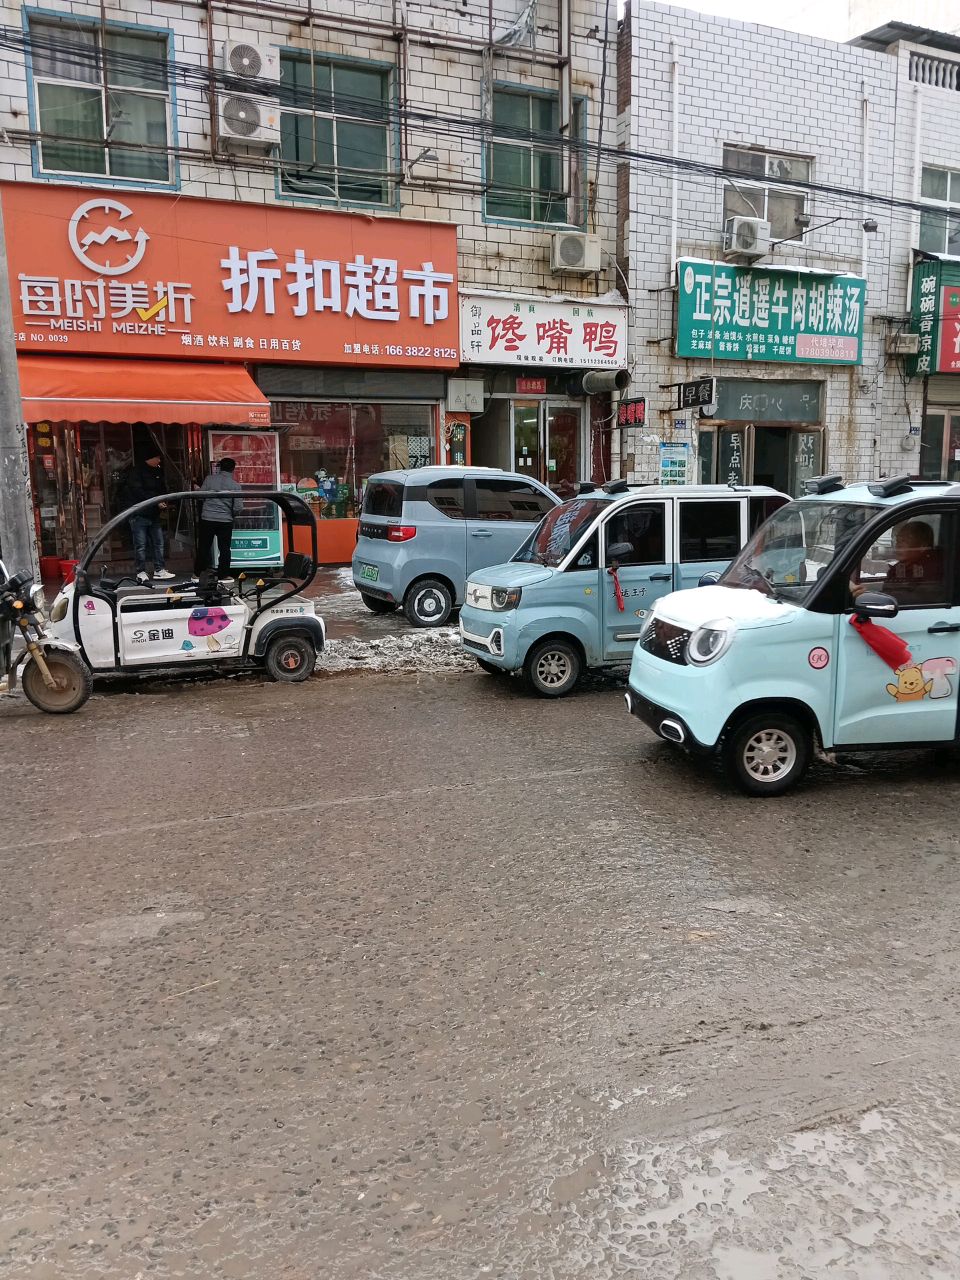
403, 165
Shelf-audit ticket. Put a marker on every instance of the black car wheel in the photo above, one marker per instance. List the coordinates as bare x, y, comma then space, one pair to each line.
428, 603
767, 754
552, 668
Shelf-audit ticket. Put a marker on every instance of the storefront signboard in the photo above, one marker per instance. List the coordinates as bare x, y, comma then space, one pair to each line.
155, 275
257, 536
727, 312
935, 317
768, 400
526, 331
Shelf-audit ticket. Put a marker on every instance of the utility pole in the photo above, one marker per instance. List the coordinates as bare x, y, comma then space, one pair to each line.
18, 535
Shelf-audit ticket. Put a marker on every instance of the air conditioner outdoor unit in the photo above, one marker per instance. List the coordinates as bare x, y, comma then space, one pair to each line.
249, 119
746, 237
903, 344
248, 122
572, 251
247, 60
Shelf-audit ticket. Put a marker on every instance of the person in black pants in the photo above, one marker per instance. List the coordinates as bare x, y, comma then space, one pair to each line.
217, 515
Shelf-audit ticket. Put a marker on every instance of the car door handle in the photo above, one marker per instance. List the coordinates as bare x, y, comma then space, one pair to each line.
660, 577
941, 628
481, 533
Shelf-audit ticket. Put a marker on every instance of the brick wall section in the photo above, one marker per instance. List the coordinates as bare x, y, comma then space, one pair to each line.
447, 82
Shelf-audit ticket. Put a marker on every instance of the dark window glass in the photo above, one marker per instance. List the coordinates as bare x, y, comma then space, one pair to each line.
587, 557
762, 509
642, 527
383, 498
911, 561
447, 497
709, 530
510, 500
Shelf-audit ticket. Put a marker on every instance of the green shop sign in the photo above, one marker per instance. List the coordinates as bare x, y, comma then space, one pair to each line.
768, 313
935, 318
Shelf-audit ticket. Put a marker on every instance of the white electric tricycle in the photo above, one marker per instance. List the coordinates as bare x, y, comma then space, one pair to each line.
259, 619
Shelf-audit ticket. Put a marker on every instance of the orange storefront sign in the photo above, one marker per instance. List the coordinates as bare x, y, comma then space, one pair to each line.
118, 273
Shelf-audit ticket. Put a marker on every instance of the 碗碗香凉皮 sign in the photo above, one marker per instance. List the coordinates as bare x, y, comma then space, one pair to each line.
935, 317
121, 273
727, 312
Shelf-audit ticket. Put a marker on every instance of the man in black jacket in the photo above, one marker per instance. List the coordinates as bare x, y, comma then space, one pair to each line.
145, 480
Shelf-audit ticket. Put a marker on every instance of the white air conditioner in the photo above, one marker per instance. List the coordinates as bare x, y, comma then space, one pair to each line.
572, 251
249, 119
247, 60
903, 344
746, 238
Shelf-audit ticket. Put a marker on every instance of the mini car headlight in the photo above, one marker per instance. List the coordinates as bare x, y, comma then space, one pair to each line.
646, 625
504, 598
59, 610
710, 642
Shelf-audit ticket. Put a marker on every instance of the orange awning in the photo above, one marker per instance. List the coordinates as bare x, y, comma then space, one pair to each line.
87, 389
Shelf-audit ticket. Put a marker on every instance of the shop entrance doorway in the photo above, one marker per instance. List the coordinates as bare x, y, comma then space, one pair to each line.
539, 438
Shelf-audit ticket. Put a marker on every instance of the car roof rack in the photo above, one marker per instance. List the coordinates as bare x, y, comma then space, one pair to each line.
824, 484
891, 486
587, 486
616, 486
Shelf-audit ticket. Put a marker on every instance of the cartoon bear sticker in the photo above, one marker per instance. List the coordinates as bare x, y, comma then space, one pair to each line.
910, 686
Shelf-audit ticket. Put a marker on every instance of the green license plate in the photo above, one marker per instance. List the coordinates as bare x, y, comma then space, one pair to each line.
369, 572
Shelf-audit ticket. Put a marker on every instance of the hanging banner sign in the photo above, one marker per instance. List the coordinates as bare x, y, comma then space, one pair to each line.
728, 312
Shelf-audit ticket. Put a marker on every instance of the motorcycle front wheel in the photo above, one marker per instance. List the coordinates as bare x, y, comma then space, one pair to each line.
74, 683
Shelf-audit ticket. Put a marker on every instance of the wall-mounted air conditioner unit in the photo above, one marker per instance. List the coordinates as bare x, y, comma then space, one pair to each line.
247, 60
574, 252
249, 119
746, 238
903, 344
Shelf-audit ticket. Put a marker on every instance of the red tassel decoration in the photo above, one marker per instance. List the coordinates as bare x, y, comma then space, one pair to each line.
618, 590
891, 648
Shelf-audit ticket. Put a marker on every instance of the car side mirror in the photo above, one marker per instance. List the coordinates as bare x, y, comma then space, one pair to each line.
709, 579
875, 604
619, 551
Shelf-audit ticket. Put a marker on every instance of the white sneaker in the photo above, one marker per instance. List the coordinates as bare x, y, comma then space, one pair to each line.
162, 575
143, 577
227, 582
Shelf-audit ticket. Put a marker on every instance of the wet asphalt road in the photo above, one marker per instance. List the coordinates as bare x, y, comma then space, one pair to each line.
416, 977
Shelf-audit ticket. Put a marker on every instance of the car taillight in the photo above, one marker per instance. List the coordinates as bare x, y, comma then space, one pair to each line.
401, 532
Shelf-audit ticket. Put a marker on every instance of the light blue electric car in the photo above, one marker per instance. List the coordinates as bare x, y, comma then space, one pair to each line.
424, 531
786, 652
577, 592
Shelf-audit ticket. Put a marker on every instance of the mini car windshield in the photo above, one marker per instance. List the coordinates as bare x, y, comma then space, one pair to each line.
787, 555
559, 532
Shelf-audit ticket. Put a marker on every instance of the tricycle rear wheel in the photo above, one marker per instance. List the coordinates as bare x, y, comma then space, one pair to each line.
290, 658
768, 753
74, 683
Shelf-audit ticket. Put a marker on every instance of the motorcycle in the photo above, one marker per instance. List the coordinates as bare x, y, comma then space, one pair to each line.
54, 679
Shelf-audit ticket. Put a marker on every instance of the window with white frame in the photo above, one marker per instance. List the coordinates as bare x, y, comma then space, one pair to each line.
335, 130
753, 198
525, 170
940, 225
101, 100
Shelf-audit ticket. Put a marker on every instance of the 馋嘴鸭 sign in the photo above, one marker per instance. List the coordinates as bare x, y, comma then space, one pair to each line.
526, 331
727, 312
